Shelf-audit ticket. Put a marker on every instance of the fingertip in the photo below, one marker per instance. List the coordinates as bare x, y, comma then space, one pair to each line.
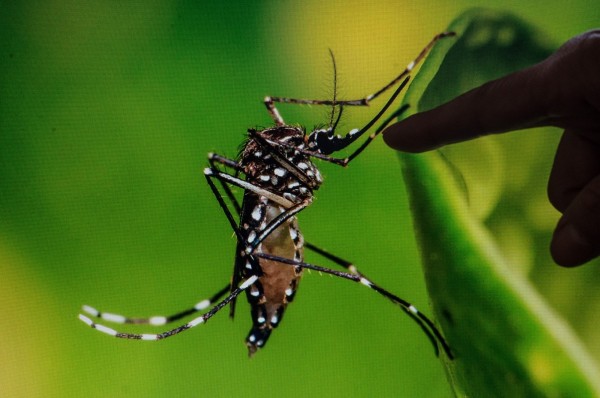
569, 247
393, 136
406, 136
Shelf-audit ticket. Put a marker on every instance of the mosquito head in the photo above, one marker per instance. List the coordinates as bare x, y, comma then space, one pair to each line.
326, 142
322, 141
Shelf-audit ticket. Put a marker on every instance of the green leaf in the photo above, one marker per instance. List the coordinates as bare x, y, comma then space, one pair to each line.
507, 341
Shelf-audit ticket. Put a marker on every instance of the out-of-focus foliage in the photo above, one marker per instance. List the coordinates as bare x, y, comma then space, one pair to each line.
506, 339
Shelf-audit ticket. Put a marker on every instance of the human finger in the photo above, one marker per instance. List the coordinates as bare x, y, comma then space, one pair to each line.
563, 90
576, 239
576, 163
513, 102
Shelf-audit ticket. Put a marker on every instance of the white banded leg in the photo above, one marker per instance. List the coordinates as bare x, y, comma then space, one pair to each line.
270, 101
156, 320
426, 324
213, 160
159, 336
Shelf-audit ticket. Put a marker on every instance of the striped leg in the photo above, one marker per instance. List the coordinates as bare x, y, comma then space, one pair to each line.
276, 116
426, 324
159, 336
156, 320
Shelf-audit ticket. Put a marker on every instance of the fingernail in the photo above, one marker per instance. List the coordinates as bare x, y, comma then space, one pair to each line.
570, 247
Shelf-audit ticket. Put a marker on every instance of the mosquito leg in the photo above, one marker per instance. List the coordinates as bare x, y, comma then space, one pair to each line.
371, 137
156, 320
338, 260
210, 173
361, 101
276, 222
423, 321
213, 159
323, 142
194, 322
275, 115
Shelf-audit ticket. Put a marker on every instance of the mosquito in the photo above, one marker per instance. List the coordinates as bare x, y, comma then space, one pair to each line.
278, 178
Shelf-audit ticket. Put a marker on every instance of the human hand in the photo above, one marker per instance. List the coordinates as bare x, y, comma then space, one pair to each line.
564, 91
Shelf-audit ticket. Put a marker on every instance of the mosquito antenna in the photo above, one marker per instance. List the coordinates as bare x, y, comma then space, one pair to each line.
331, 123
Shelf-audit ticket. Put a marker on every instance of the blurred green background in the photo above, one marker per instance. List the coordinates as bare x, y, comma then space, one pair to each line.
107, 112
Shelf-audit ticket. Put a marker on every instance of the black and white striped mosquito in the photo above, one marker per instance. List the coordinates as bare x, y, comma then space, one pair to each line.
279, 181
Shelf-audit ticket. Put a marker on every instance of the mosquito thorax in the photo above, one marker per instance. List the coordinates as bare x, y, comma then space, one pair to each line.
288, 171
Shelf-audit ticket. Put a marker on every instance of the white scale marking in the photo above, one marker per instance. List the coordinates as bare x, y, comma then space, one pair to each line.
158, 320
149, 337
258, 154
353, 131
256, 213
293, 233
302, 166
91, 310
105, 329
248, 265
264, 177
113, 317
202, 305
290, 196
365, 282
195, 322
293, 184
289, 291
252, 188
412, 309
248, 282
254, 293
410, 66
318, 175
274, 319
252, 338
280, 172
86, 320
261, 319
251, 236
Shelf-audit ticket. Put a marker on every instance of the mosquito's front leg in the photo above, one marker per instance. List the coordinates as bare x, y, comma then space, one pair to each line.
270, 104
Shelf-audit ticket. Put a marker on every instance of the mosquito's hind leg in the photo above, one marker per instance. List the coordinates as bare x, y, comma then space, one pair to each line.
156, 320
194, 322
426, 324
